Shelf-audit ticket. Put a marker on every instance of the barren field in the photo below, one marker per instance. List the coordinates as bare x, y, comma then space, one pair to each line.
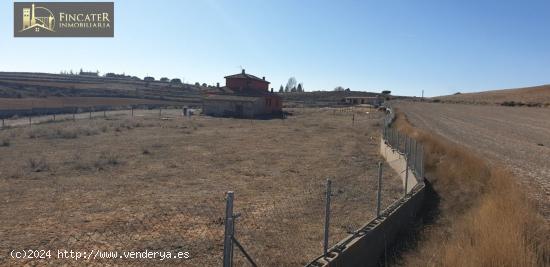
518, 138
121, 184
536, 95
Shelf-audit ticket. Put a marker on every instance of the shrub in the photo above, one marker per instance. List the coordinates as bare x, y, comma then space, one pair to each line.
508, 103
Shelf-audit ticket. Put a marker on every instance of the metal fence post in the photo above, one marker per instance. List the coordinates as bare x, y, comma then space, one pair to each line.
379, 194
53, 117
30, 120
397, 142
415, 163
406, 174
3, 124
407, 148
160, 112
422, 162
413, 154
327, 217
228, 234
132, 112
105, 114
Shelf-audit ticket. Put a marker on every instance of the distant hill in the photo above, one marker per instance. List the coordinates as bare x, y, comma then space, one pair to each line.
538, 96
32, 85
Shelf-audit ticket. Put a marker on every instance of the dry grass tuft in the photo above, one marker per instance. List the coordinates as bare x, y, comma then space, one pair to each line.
485, 217
59, 132
37, 165
145, 151
106, 159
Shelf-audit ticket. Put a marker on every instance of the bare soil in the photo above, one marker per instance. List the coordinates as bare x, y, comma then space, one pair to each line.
159, 185
518, 138
536, 95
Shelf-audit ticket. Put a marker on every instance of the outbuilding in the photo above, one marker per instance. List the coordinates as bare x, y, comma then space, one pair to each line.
369, 100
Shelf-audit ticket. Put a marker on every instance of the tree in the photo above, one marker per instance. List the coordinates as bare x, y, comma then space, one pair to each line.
175, 81
164, 79
204, 85
339, 89
300, 88
281, 90
386, 92
293, 89
290, 84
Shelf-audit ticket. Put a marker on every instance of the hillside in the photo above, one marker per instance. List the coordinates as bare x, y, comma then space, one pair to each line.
528, 96
23, 85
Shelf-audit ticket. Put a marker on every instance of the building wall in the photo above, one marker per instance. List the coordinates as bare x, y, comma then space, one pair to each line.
238, 84
26, 17
261, 106
229, 108
367, 100
273, 104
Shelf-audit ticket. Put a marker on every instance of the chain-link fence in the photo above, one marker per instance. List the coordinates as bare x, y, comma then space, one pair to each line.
35, 116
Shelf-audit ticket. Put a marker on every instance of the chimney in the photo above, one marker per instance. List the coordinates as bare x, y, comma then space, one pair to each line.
218, 85
263, 78
272, 90
243, 71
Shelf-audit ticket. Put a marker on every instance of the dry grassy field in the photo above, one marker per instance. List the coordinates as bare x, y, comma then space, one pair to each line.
536, 95
518, 138
483, 215
82, 102
159, 185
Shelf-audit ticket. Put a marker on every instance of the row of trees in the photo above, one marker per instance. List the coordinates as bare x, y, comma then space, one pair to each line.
292, 86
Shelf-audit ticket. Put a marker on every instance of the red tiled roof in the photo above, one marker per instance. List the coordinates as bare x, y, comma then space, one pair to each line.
244, 75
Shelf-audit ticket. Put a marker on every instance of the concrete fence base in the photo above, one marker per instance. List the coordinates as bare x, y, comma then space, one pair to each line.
369, 244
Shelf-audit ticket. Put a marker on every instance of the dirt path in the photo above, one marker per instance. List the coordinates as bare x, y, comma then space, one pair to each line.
519, 138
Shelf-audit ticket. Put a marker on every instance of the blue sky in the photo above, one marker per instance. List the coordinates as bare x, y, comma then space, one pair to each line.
405, 46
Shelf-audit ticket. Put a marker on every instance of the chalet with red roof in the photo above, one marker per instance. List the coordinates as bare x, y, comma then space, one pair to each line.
244, 95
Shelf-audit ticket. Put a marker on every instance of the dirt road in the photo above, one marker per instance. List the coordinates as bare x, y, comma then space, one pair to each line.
518, 138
